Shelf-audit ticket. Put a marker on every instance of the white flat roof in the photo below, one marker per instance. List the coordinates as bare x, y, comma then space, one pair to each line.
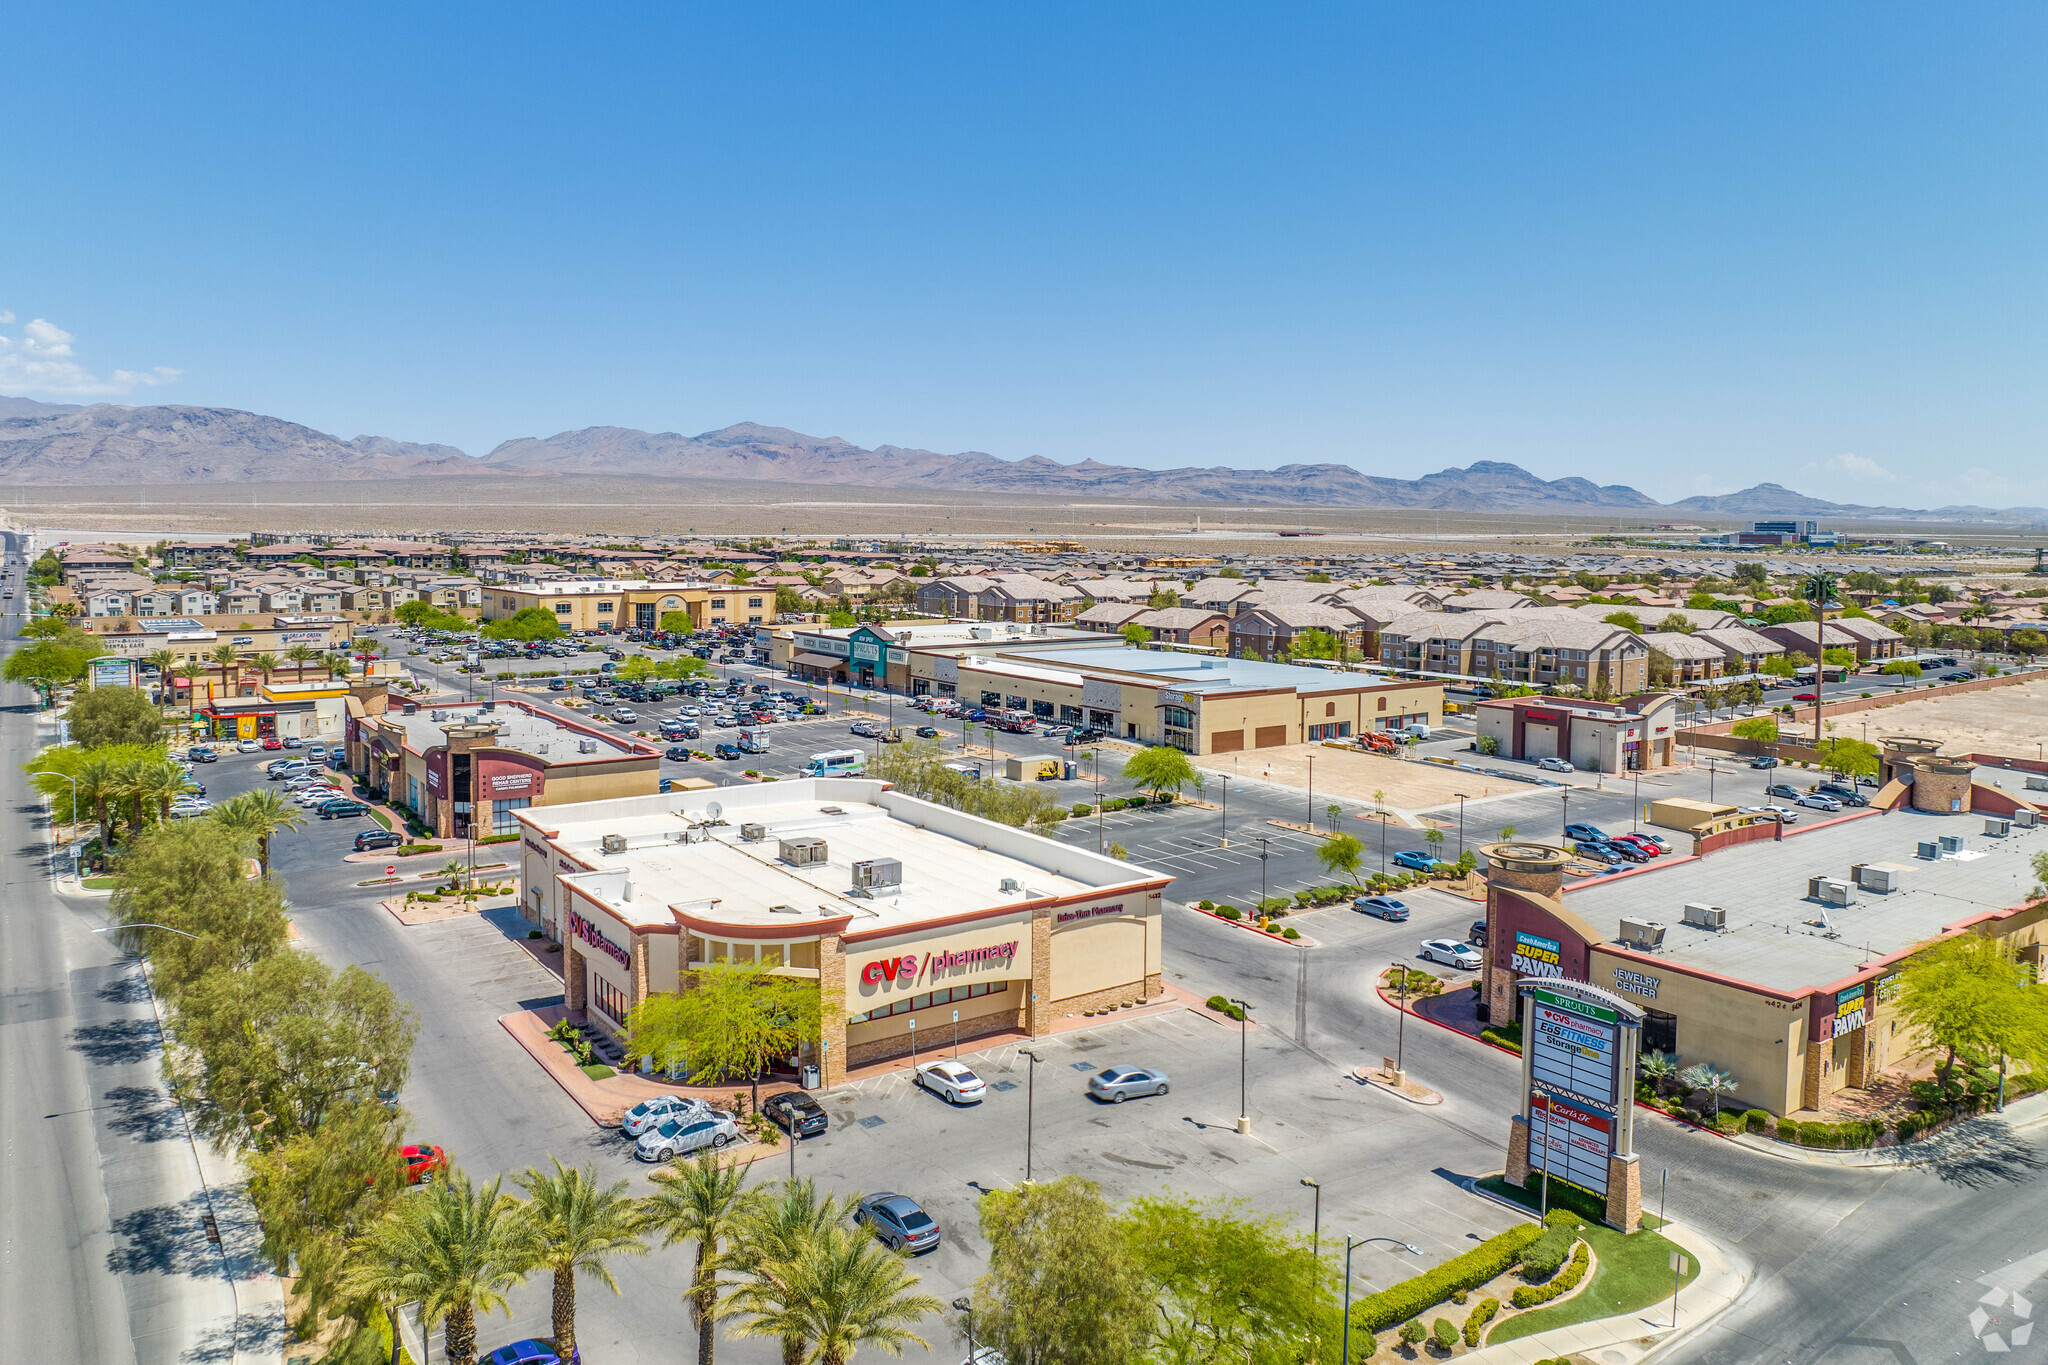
953, 864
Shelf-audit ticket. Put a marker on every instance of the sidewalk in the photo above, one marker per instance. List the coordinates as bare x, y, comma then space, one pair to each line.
1632, 1337
1951, 1142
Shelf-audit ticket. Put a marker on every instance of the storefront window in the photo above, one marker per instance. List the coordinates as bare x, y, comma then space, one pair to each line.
501, 814
1660, 1032
926, 1001
608, 999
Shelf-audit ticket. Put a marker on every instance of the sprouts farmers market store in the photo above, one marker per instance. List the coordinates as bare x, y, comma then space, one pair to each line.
913, 919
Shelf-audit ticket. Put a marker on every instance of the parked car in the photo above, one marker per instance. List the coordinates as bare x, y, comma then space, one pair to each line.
1959, 675
795, 1112
422, 1159
952, 1082
898, 1221
867, 729
1591, 832
927, 732
378, 838
343, 809
1848, 796
1641, 843
679, 1136
1806, 696
1116, 1084
677, 753
726, 751
201, 754
1384, 907
532, 1351
1476, 935
1555, 765
1765, 762
1782, 814
653, 1113
273, 743
250, 746
1818, 801
625, 715
1627, 852
1451, 953
1784, 790
1415, 860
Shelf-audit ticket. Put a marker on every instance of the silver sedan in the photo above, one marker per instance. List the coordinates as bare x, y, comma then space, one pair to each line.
1119, 1083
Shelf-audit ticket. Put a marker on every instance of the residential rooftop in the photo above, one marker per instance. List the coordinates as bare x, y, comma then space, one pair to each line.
1779, 938
952, 863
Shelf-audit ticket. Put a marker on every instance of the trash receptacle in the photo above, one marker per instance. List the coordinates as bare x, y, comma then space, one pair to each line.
809, 1076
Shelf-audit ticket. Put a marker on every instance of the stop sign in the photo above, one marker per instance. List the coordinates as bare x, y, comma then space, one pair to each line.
390, 869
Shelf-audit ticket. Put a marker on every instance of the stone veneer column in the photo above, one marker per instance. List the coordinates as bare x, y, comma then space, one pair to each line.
1038, 1007
1518, 1171
639, 960
1859, 1049
1534, 868
1809, 1090
832, 1008
572, 975
1624, 1193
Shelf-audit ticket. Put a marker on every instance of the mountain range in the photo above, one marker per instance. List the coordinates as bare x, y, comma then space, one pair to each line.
104, 443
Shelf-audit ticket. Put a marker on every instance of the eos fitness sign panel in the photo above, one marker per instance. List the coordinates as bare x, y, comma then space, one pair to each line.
1578, 1075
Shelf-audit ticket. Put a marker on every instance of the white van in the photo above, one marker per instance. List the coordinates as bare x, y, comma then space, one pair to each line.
1417, 730
837, 763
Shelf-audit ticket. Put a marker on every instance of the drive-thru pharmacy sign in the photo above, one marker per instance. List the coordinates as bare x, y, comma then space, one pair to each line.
1578, 1072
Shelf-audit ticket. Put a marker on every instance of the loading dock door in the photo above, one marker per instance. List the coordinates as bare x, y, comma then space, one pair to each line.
1270, 736
1539, 741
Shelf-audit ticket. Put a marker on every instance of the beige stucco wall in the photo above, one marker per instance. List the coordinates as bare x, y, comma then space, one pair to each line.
1759, 1039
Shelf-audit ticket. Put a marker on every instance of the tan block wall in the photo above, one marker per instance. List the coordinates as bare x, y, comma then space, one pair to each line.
569, 784
1752, 1036
832, 1007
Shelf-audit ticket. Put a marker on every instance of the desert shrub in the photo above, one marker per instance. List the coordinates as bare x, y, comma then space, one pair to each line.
1229, 912
1445, 1334
1476, 1320
1205, 905
1401, 1302
1274, 905
1290, 932
1546, 1255
1163, 798
1222, 1006
1081, 808
1566, 1280
1411, 1332
1756, 1121
1460, 1295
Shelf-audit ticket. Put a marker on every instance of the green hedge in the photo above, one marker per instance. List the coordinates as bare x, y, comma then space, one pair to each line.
1274, 903
1222, 1006
1566, 1280
1400, 1302
499, 839
1548, 1252
1475, 1323
1229, 912
415, 850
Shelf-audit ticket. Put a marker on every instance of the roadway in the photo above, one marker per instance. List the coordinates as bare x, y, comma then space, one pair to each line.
105, 1259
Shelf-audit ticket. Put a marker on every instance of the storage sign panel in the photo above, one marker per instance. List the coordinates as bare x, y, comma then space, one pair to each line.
1570, 1141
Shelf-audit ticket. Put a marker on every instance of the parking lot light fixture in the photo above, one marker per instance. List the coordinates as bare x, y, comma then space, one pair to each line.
1315, 1235
1244, 1115
966, 1305
1401, 1027
1030, 1105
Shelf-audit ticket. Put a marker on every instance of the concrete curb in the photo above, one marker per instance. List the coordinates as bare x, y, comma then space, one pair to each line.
1379, 1082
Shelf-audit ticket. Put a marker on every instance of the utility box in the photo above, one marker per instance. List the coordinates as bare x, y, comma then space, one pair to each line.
2037, 783
873, 873
1642, 933
1879, 878
2027, 819
1997, 826
1830, 891
752, 833
613, 843
1930, 851
1950, 843
1703, 916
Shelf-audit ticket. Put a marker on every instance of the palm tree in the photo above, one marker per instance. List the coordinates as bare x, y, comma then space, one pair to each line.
225, 657
844, 1290
453, 1248
1657, 1068
256, 816
1819, 588
266, 662
703, 1202
775, 1234
572, 1224
130, 782
300, 655
158, 780
336, 664
96, 788
163, 661
188, 671
1716, 1083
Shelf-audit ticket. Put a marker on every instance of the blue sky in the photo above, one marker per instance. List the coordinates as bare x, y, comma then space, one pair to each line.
1683, 250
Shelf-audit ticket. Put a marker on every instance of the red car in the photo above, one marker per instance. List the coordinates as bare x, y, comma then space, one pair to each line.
1639, 843
421, 1161
273, 744
1804, 696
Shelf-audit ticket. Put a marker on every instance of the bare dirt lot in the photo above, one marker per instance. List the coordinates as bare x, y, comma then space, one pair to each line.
1353, 777
1998, 720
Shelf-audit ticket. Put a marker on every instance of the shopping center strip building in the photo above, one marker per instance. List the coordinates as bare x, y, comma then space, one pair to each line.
910, 917
1775, 954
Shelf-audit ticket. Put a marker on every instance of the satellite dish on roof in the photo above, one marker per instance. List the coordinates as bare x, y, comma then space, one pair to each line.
715, 810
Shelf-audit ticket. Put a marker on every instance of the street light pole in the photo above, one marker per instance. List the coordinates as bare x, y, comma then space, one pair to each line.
1244, 1118
1401, 1026
1315, 1236
1461, 824
1263, 841
1223, 839
966, 1305
1030, 1106
1311, 793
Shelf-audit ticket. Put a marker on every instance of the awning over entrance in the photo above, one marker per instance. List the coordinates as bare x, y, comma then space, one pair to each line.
818, 661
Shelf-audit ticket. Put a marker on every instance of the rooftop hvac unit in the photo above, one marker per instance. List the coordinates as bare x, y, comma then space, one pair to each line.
613, 843
1881, 878
586, 746
878, 872
2037, 784
1951, 843
437, 716
1832, 891
2026, 819
489, 707
1703, 916
1997, 826
1929, 851
801, 852
753, 834
1642, 933
1010, 886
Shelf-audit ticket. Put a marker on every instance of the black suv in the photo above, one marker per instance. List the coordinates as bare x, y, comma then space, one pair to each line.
377, 838
726, 750
795, 1112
